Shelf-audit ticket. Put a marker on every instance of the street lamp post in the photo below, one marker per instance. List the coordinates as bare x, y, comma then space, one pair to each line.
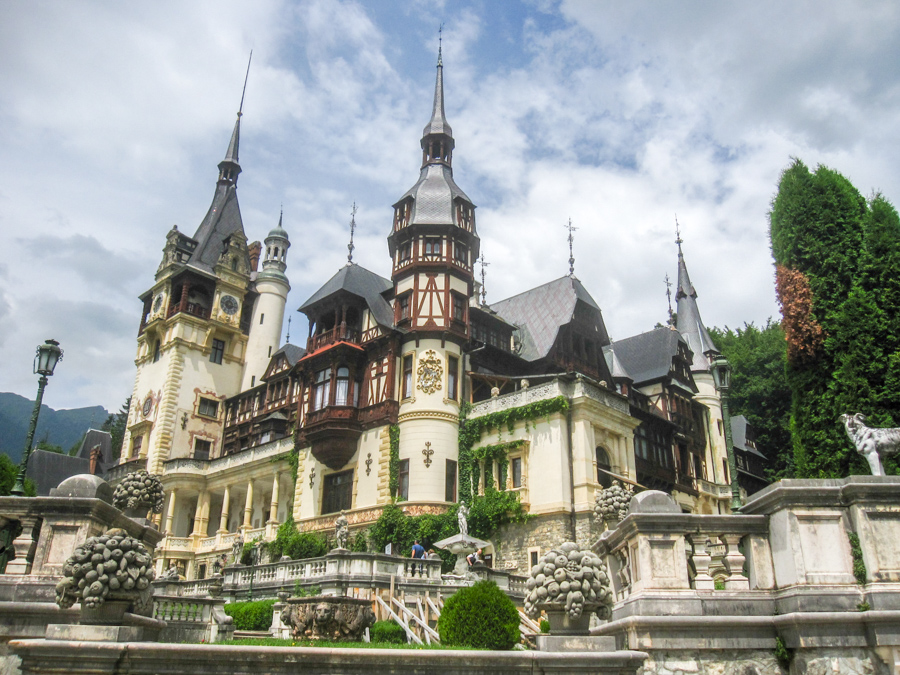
721, 372
254, 561
45, 360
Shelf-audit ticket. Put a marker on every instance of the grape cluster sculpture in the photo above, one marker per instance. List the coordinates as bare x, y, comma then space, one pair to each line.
612, 503
113, 565
139, 489
571, 579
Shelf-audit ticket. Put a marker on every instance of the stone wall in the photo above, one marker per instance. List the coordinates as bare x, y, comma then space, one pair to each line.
708, 662
513, 542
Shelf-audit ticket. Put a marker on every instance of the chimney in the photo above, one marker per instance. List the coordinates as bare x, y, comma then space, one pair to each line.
254, 250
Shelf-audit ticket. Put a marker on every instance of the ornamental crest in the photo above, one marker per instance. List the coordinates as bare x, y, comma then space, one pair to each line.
431, 371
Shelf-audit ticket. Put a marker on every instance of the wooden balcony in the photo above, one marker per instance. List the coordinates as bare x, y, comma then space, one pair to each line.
332, 433
337, 334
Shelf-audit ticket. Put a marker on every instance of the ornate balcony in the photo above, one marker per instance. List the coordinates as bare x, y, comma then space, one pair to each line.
332, 433
328, 337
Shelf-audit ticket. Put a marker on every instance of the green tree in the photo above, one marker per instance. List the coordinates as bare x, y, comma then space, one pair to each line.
835, 255
759, 388
8, 472
115, 425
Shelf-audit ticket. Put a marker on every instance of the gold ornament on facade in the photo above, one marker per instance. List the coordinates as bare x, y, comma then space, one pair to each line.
431, 371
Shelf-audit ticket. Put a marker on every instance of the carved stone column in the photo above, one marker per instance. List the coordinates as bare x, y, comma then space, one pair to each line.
701, 559
248, 506
170, 513
734, 564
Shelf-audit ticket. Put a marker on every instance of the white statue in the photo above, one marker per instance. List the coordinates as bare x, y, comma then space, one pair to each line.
873, 444
341, 530
237, 549
461, 516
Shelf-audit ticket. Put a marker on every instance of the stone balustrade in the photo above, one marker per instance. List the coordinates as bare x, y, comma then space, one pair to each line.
579, 388
192, 619
210, 467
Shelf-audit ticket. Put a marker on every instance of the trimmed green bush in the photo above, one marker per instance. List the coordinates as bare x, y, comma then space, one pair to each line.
480, 616
387, 631
296, 545
256, 615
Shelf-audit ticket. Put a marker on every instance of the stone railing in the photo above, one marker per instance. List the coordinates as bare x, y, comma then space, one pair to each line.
789, 566
579, 388
192, 619
119, 471
208, 467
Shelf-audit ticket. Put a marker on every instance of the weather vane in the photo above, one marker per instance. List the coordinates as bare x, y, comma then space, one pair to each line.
678, 239
669, 298
288, 336
350, 246
571, 229
483, 289
440, 43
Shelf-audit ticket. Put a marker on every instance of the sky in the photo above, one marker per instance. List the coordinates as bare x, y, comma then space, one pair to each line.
620, 116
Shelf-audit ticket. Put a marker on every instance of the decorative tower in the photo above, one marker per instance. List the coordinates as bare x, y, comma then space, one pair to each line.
433, 245
692, 329
193, 333
268, 312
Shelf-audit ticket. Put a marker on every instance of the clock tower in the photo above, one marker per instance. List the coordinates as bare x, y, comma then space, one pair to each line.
433, 246
194, 332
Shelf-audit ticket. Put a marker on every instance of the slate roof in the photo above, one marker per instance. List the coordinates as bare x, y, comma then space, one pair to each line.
540, 312
739, 436
433, 196
689, 323
438, 122
95, 437
292, 352
49, 469
221, 221
616, 369
648, 356
360, 282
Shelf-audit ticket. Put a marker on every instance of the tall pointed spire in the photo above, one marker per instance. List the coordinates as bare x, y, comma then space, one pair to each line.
229, 168
437, 137
688, 321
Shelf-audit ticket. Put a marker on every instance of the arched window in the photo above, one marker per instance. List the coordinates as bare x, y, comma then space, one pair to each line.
342, 386
603, 466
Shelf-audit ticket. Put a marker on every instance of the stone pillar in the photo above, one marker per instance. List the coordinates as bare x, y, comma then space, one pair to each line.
701, 559
197, 529
273, 505
25, 545
170, 512
204, 512
248, 506
226, 505
734, 564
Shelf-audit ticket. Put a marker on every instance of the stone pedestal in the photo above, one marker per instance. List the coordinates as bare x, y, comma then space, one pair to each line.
461, 545
576, 643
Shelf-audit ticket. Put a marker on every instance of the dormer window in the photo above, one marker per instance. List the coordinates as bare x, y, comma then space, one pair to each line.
461, 253
432, 247
405, 252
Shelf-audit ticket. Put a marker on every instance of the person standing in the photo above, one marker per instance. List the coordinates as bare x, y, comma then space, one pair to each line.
418, 551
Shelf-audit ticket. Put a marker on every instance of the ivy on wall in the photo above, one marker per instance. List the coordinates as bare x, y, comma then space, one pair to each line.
394, 463
470, 431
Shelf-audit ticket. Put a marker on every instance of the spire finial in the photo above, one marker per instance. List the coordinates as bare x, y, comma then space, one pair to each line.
244, 91
678, 239
287, 338
669, 298
350, 246
281, 215
571, 229
483, 288
440, 44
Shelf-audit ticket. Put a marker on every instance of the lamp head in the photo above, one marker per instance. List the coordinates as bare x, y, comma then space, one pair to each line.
46, 358
721, 372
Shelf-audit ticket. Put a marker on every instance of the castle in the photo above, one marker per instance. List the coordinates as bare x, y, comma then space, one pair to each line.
247, 433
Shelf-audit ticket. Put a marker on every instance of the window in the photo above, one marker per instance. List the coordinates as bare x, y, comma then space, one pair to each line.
337, 492
202, 448
725, 470
432, 246
156, 351
515, 470
461, 253
342, 386
459, 308
208, 407
452, 378
322, 389
534, 555
270, 351
262, 317
405, 252
603, 466
403, 479
253, 380
136, 443
218, 351
450, 482
407, 389
403, 311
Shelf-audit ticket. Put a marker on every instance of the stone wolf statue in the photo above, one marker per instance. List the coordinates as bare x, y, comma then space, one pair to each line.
873, 444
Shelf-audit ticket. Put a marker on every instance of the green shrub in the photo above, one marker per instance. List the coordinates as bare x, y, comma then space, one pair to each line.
783, 654
256, 615
859, 567
387, 631
545, 626
480, 616
296, 545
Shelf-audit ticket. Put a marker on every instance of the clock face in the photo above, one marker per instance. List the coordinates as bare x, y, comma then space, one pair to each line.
148, 406
157, 303
229, 304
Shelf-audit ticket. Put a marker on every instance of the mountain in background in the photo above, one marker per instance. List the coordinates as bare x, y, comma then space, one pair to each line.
58, 427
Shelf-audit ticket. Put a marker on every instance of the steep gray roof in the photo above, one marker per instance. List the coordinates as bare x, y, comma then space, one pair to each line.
689, 323
95, 437
616, 369
433, 196
49, 469
540, 312
739, 436
438, 122
292, 352
360, 282
221, 221
648, 356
